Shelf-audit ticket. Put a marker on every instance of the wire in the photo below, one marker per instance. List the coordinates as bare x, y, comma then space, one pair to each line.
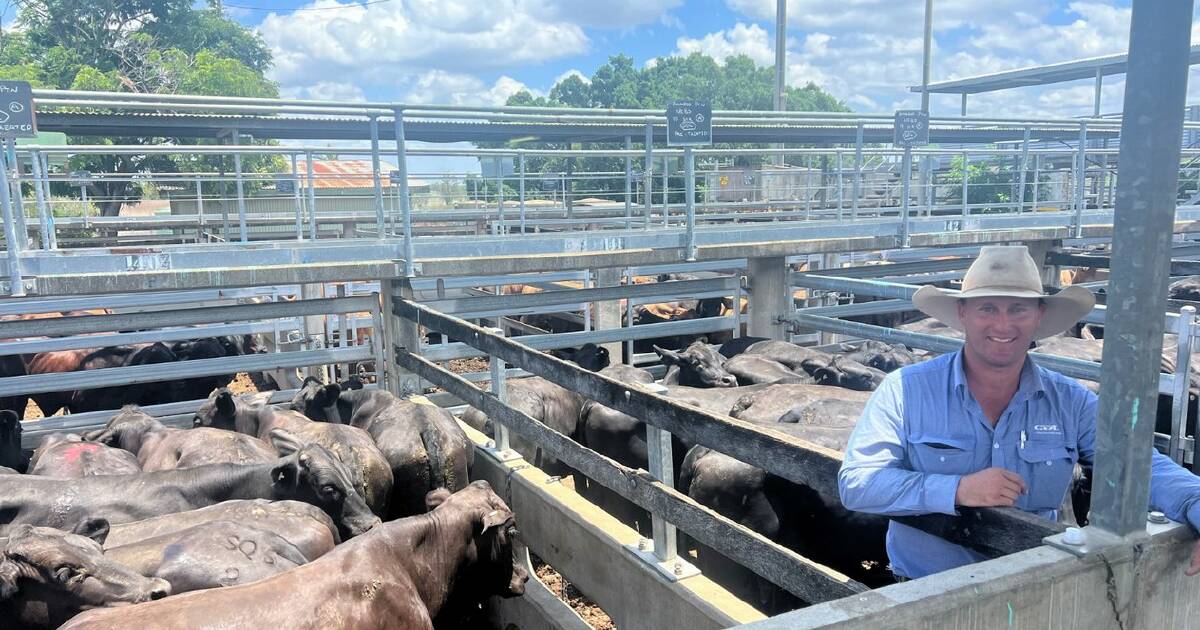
277, 10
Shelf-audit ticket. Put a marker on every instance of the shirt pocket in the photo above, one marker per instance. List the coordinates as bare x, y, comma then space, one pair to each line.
1047, 469
941, 455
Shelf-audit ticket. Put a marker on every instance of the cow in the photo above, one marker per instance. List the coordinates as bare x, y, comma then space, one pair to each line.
589, 356
368, 468
67, 455
55, 362
413, 573
1187, 288
841, 371
880, 355
304, 472
303, 525
11, 454
116, 396
48, 576
12, 365
699, 365
792, 356
198, 387
211, 555
422, 443
752, 369
158, 447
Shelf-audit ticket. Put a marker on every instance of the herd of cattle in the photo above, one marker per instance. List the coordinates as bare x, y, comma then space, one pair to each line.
349, 509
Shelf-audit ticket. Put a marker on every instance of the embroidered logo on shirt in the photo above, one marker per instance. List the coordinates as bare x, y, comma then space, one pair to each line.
1046, 428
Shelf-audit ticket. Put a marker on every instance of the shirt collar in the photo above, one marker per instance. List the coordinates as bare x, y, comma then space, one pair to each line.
1028, 387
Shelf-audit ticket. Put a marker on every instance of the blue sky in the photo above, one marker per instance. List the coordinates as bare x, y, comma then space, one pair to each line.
866, 52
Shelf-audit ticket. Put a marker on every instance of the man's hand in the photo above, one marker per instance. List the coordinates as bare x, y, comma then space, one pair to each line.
997, 487
1194, 567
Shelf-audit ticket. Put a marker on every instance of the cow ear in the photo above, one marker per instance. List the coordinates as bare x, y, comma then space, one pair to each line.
104, 436
285, 473
284, 442
495, 518
435, 498
94, 528
332, 391
225, 403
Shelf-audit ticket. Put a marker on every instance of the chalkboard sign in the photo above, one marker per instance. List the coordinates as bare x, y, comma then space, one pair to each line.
16, 110
911, 128
79, 177
285, 185
689, 123
549, 184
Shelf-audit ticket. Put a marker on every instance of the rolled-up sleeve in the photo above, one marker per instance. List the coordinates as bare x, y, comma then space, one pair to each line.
873, 477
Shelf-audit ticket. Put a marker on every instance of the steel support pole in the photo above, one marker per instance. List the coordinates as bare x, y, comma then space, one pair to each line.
1080, 178
662, 467
780, 66
83, 197
12, 245
840, 190
499, 227
689, 188
377, 178
963, 107
666, 187
405, 205
648, 176
926, 58
1023, 166
499, 389
241, 197
1099, 87
199, 209
521, 186
1151, 130
966, 177
45, 215
905, 183
1037, 168
312, 196
296, 201
18, 196
628, 183
1184, 343
858, 163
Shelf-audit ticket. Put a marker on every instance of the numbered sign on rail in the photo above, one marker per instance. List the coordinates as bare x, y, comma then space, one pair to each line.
689, 124
911, 129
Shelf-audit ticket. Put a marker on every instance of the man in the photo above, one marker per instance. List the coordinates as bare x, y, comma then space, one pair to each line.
985, 426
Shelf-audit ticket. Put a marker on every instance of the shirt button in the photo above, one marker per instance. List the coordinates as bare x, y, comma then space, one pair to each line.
943, 458
1049, 463
996, 445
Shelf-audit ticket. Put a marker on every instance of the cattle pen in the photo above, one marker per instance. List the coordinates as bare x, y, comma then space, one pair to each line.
395, 293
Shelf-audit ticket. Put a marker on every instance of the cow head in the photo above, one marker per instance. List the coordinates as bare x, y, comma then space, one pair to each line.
127, 430
589, 356
219, 411
310, 473
69, 571
317, 400
843, 372
10, 440
699, 366
496, 570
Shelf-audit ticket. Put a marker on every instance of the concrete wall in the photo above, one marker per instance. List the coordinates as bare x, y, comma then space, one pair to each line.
1138, 585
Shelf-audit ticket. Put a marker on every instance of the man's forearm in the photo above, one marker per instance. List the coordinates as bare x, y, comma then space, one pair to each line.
897, 492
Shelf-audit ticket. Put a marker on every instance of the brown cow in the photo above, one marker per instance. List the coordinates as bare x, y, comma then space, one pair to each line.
67, 455
399, 576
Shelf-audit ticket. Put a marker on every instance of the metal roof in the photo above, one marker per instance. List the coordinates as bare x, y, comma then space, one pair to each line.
1040, 75
174, 125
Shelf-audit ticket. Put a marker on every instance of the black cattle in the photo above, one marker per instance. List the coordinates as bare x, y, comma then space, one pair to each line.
67, 455
308, 473
881, 356
422, 443
117, 396
11, 454
158, 447
197, 388
48, 576
418, 572
589, 356
840, 371
699, 365
795, 357
212, 555
1185, 289
12, 365
752, 369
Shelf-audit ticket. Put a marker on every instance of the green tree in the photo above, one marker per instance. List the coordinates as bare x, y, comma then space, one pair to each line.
155, 46
990, 181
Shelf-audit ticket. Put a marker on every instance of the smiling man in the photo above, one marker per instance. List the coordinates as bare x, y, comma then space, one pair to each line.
985, 426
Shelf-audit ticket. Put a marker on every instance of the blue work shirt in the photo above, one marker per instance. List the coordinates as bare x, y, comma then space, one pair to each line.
922, 431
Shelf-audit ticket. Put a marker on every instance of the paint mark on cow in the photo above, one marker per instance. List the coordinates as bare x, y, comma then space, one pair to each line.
370, 590
73, 452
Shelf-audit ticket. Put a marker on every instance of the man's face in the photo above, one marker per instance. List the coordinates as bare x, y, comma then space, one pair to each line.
998, 329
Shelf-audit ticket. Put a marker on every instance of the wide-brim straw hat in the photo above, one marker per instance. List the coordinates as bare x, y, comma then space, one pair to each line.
1007, 271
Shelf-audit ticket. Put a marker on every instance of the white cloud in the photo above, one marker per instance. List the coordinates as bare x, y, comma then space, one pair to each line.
440, 87
607, 14
750, 40
883, 16
573, 72
325, 91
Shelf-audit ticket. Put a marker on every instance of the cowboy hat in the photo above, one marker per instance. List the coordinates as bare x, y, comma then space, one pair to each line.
1007, 271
